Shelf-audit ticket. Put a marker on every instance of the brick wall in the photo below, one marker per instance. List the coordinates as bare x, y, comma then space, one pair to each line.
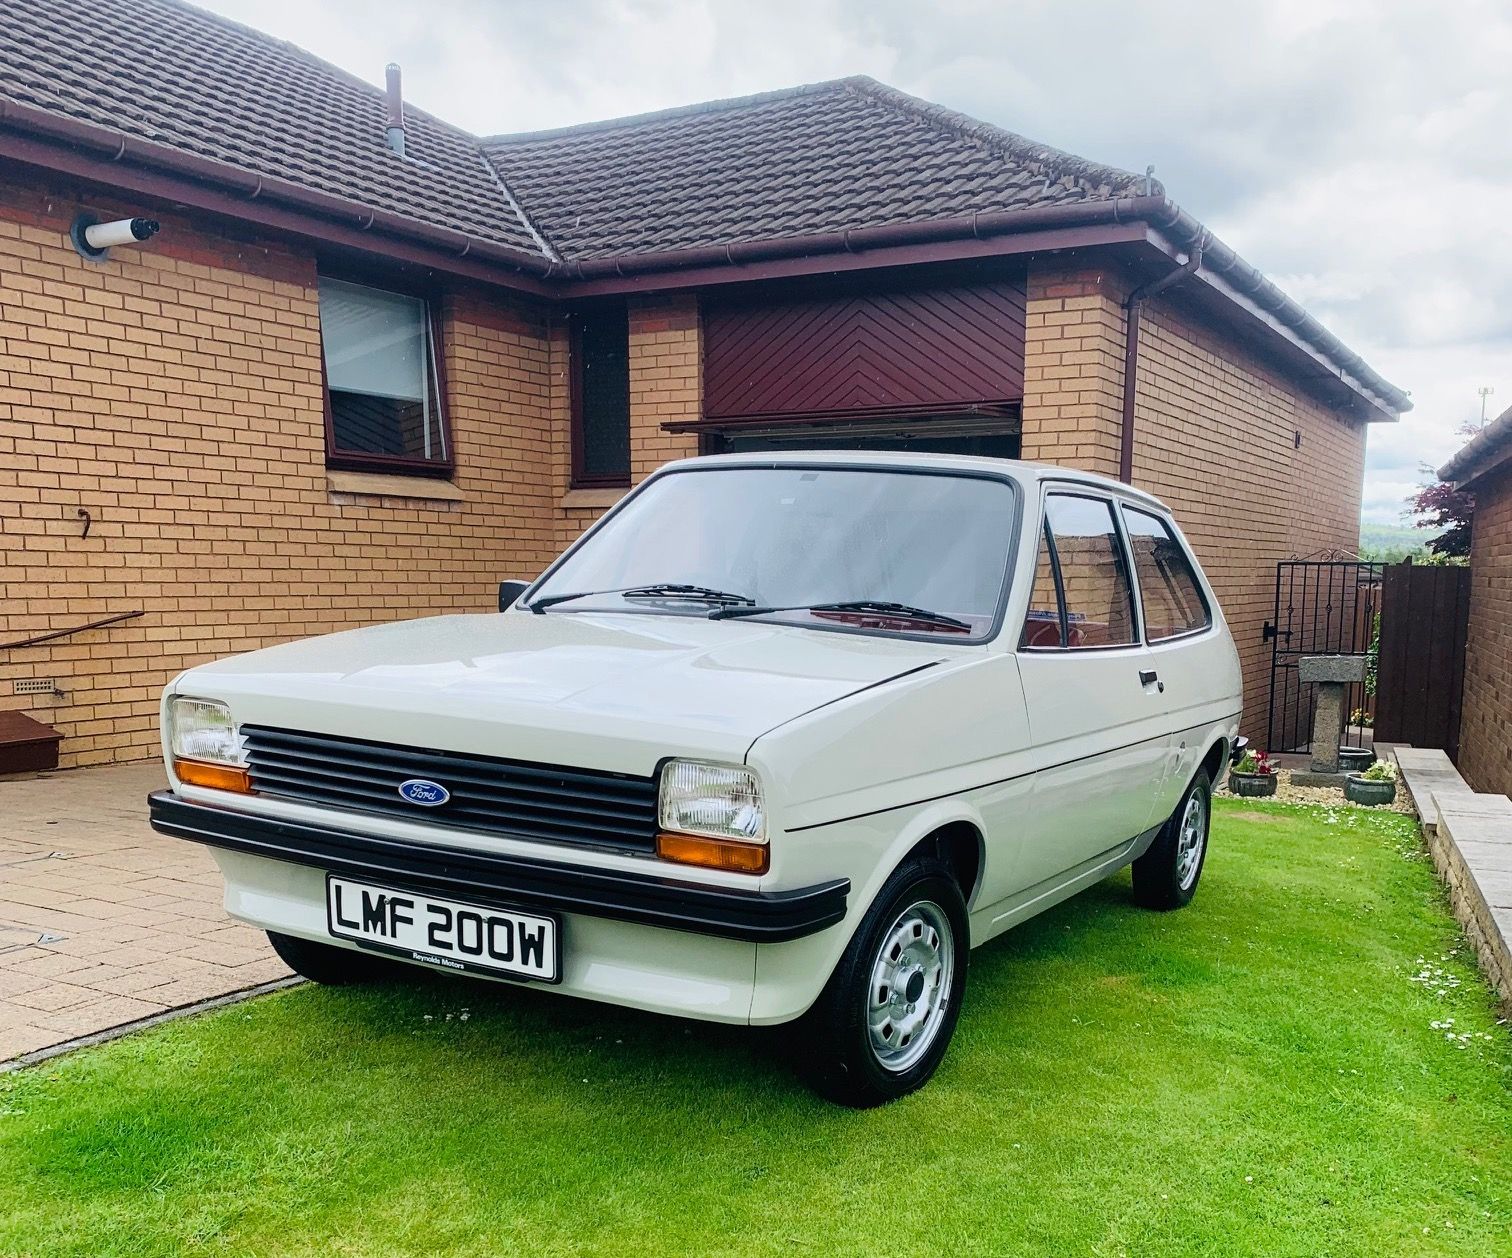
1485, 757
1073, 367
174, 392
1214, 438
666, 381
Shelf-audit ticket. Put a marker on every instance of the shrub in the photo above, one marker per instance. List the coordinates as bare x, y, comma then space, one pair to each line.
1256, 762
1381, 771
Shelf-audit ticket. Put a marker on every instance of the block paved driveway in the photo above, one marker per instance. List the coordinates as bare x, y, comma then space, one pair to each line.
103, 921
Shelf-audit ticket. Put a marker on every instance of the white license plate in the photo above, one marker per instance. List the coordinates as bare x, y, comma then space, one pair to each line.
444, 933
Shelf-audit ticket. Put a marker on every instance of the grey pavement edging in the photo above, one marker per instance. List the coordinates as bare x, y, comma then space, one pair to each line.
141, 1024
1470, 838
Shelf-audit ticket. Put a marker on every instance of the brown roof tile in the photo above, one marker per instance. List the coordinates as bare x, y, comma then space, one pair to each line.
844, 154
170, 73
827, 157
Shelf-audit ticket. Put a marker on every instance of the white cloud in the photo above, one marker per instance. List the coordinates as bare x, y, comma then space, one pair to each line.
520, 66
1358, 151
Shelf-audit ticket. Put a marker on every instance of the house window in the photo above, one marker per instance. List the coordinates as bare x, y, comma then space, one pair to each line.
601, 396
1083, 570
1169, 594
383, 396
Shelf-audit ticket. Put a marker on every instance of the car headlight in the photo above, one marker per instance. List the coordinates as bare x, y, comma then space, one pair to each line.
718, 801
202, 729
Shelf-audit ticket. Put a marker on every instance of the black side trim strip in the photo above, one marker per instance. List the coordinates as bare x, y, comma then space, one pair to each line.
651, 900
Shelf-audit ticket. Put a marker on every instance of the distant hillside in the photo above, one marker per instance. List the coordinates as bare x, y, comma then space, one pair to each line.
1392, 543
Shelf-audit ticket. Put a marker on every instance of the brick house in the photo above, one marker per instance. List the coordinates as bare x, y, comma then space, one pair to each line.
1483, 467
371, 364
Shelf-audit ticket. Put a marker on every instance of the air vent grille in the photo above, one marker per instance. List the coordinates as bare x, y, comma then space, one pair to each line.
36, 686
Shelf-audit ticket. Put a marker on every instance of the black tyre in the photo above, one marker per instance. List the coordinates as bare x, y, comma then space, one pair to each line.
884, 1020
1166, 876
327, 964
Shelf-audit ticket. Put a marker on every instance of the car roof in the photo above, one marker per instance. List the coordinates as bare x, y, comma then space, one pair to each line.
1018, 469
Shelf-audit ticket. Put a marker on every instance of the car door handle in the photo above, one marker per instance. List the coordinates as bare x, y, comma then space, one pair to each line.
1149, 677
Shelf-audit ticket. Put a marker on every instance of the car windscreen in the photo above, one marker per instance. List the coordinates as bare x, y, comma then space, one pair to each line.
791, 537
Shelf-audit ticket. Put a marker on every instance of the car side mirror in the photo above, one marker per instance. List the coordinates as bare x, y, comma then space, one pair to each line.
509, 591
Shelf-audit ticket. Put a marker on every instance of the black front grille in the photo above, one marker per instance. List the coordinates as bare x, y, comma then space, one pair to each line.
542, 802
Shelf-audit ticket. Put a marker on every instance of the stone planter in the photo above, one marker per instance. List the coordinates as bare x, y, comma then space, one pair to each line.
1355, 759
1364, 791
1254, 785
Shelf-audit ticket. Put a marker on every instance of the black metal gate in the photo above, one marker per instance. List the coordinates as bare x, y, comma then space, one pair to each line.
1323, 607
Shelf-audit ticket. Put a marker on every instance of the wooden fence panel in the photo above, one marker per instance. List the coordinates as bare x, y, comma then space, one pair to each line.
1420, 671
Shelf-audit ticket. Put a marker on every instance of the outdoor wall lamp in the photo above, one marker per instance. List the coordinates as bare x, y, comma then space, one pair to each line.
94, 239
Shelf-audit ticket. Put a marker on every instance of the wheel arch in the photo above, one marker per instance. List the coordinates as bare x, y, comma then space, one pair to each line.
960, 847
1214, 759
947, 829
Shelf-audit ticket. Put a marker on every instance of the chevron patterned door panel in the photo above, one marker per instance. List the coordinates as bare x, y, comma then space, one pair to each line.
920, 349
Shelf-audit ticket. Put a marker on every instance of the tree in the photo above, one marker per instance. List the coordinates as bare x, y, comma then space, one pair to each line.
1439, 505
1442, 506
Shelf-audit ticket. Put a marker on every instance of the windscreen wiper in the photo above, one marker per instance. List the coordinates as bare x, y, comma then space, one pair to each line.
862, 605
665, 589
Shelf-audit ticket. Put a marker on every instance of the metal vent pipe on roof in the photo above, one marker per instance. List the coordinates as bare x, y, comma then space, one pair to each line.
395, 98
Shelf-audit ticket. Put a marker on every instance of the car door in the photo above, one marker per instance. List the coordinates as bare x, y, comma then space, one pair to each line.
1095, 713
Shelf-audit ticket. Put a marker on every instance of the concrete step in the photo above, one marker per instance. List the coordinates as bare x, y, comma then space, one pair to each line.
1470, 837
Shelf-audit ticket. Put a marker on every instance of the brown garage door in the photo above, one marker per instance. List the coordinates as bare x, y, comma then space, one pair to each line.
952, 350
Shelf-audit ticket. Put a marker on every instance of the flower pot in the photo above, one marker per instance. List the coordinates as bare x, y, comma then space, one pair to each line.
1254, 785
1355, 759
1363, 790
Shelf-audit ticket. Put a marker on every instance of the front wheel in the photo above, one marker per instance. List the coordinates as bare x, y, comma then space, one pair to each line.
1165, 877
884, 1020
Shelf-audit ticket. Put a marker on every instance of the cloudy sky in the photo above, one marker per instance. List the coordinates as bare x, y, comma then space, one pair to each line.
1357, 151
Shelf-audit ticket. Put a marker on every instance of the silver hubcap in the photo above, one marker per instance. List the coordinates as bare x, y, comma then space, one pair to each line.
910, 985
1189, 842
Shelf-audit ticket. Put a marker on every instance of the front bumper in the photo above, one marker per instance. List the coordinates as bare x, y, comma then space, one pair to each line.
645, 899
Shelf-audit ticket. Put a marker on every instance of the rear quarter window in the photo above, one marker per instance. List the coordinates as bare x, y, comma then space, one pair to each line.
1170, 595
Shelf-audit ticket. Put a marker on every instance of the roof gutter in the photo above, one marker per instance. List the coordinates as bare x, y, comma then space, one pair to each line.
1132, 308
1224, 270
103, 154
1240, 278
1486, 452
981, 226
1227, 272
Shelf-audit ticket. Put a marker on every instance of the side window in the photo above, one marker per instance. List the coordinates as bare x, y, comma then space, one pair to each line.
1089, 574
601, 396
1169, 592
383, 396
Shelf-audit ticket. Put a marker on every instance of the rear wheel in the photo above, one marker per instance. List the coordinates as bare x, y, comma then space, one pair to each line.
327, 964
885, 1018
1166, 876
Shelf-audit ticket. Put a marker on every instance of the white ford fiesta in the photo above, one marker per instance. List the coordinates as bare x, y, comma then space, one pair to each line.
780, 739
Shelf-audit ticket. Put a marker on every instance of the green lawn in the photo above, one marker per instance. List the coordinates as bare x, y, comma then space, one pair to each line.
1259, 1073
